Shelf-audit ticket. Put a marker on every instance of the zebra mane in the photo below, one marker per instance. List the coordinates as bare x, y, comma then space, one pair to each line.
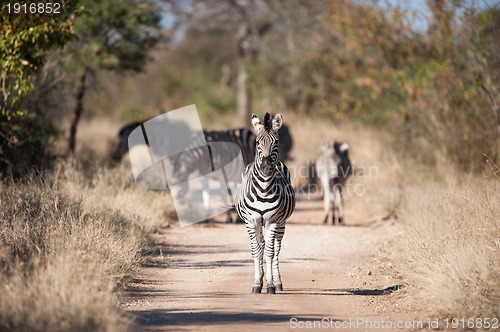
267, 122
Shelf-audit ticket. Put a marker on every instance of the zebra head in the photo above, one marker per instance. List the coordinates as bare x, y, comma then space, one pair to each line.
267, 143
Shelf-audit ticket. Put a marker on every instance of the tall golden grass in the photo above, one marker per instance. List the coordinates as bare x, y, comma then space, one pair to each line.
68, 245
452, 243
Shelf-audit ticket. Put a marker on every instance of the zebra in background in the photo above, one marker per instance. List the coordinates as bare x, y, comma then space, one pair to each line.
243, 137
286, 142
266, 198
195, 160
333, 168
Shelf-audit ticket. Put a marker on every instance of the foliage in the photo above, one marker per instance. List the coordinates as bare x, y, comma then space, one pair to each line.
25, 40
198, 76
450, 109
112, 35
435, 91
97, 35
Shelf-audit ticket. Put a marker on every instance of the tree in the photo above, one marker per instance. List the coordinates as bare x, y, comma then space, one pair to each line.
25, 40
246, 20
111, 36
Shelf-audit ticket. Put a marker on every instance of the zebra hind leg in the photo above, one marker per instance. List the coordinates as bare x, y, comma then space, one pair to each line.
229, 219
333, 210
325, 184
340, 206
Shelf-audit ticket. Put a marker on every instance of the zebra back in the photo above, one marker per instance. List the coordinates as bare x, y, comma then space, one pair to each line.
242, 137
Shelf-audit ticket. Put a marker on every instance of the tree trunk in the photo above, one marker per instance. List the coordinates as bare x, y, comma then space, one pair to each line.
243, 102
242, 95
77, 112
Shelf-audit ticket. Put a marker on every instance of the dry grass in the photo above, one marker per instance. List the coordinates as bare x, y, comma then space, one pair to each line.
452, 244
68, 244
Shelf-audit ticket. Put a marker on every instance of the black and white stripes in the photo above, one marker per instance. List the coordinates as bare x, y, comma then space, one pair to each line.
203, 158
242, 137
266, 198
333, 167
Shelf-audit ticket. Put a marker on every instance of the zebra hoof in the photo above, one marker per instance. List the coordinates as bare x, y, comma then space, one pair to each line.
271, 290
256, 289
279, 287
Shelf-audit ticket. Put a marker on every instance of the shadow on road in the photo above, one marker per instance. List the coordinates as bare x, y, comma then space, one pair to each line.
344, 291
180, 317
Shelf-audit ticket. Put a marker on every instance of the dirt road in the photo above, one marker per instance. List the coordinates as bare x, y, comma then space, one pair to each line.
200, 278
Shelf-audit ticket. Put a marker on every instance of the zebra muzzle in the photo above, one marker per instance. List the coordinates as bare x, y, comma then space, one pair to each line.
266, 166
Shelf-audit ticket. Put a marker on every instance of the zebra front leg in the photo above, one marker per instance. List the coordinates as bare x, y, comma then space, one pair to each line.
325, 182
257, 246
280, 231
269, 256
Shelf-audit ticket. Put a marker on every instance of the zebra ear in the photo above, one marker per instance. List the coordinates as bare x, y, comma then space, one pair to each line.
256, 123
277, 122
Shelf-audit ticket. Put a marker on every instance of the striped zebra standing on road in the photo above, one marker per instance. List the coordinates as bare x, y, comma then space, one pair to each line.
333, 167
266, 198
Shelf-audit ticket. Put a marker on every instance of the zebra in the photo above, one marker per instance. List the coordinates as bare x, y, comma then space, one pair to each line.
333, 168
122, 147
195, 159
286, 142
266, 198
243, 137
